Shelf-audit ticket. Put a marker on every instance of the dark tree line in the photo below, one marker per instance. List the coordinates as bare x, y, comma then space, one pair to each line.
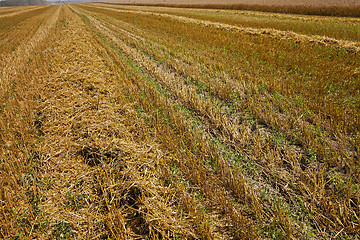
21, 3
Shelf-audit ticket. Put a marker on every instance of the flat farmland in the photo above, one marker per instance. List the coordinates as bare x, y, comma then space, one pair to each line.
250, 2
343, 8
149, 122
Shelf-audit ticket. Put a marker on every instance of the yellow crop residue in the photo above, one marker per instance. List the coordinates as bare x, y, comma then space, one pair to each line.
135, 122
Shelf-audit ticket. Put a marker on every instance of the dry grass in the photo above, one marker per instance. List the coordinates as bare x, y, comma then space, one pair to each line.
123, 122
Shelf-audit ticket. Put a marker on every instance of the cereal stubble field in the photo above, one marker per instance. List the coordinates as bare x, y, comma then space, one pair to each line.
140, 122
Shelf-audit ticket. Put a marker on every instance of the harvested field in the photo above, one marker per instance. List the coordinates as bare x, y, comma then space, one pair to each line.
142, 122
349, 8
253, 2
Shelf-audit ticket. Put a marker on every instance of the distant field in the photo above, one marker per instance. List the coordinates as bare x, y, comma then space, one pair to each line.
326, 7
259, 2
144, 122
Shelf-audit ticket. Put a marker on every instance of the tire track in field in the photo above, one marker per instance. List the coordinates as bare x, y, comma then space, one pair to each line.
286, 35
